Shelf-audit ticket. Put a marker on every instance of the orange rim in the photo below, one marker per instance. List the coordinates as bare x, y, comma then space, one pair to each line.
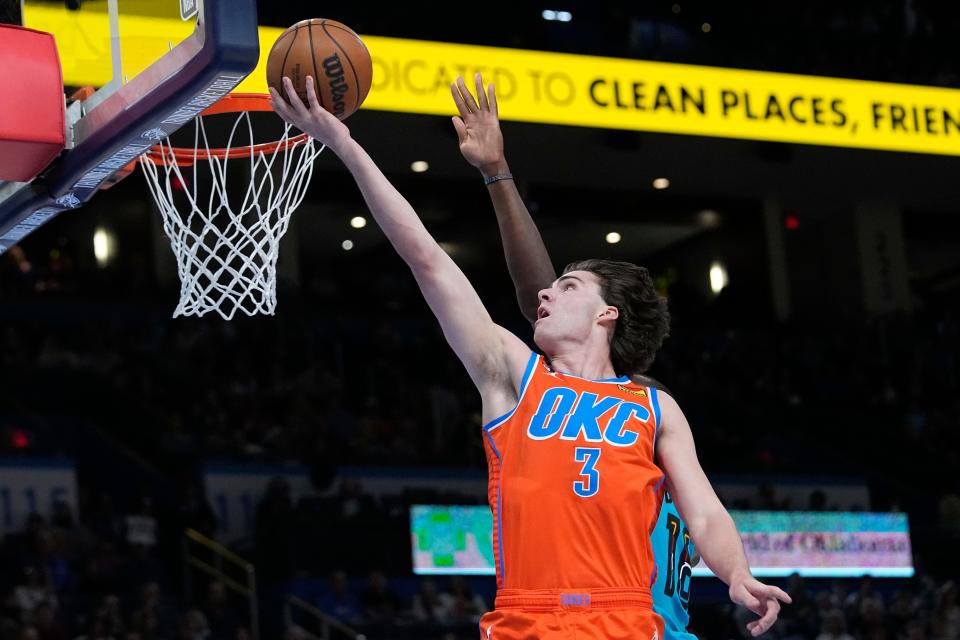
231, 103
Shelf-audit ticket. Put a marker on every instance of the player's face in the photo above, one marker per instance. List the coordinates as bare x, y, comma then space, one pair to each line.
569, 310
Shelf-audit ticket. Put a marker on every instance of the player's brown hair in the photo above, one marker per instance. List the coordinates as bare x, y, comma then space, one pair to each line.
644, 320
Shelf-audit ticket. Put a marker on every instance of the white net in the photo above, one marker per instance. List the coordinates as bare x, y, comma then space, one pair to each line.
227, 250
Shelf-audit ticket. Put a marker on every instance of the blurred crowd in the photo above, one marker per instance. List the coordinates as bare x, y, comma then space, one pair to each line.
850, 610
99, 578
102, 576
332, 388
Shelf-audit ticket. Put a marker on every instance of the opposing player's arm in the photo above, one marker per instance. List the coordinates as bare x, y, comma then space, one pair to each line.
710, 525
492, 355
481, 143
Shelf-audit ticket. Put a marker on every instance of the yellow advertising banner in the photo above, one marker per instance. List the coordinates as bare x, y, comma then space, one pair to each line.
587, 91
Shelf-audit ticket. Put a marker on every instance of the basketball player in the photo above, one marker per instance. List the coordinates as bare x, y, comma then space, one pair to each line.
481, 143
571, 442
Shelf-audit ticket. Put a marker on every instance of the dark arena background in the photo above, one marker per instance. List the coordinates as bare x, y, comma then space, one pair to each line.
320, 473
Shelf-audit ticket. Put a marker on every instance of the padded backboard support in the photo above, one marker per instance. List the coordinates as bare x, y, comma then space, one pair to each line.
32, 127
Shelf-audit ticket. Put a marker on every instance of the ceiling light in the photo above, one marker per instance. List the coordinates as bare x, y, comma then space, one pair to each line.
104, 246
718, 277
557, 16
358, 222
708, 218
613, 237
419, 166
661, 183
347, 245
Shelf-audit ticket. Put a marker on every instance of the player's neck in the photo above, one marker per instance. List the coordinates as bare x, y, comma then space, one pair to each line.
592, 364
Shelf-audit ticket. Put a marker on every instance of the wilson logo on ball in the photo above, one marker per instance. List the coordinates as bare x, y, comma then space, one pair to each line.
338, 85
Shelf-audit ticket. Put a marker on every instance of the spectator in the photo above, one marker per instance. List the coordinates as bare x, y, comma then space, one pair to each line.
430, 605
274, 530
339, 601
153, 617
834, 626
46, 624
467, 605
221, 617
145, 622
111, 617
799, 619
946, 616
380, 603
193, 626
34, 588
903, 609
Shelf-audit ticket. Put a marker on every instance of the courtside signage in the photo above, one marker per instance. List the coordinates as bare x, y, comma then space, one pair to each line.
552, 88
457, 540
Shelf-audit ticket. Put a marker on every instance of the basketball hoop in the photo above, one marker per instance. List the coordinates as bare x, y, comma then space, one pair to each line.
227, 256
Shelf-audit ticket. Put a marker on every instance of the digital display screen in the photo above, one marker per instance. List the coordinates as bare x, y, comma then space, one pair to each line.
452, 540
823, 544
458, 540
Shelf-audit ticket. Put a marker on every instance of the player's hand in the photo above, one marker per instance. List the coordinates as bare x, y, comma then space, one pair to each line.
478, 126
764, 600
312, 119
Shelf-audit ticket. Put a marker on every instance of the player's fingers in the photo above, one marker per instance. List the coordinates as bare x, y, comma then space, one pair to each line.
458, 100
312, 94
756, 628
295, 102
769, 616
280, 105
748, 600
780, 594
492, 99
481, 94
467, 96
460, 128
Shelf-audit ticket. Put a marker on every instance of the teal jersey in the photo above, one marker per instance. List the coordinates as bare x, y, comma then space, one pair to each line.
672, 550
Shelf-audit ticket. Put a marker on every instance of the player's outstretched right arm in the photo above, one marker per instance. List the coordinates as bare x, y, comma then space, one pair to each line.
481, 143
492, 356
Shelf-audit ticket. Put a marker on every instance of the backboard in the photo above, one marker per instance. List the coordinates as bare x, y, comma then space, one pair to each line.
158, 64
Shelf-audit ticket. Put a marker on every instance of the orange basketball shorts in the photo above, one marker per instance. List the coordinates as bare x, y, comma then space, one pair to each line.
555, 614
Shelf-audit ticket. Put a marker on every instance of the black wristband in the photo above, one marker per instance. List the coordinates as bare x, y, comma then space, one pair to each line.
497, 178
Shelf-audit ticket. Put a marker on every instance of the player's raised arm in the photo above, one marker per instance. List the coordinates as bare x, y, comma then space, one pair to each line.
709, 523
491, 354
481, 143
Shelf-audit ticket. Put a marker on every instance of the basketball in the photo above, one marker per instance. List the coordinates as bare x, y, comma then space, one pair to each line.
333, 54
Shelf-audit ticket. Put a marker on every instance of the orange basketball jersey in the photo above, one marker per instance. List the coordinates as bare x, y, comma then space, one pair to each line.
573, 486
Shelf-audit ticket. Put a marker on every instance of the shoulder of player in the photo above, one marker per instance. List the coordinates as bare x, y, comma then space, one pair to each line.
672, 418
516, 353
504, 385
514, 363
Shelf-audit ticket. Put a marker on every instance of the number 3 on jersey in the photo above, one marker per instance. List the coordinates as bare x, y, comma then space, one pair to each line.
591, 482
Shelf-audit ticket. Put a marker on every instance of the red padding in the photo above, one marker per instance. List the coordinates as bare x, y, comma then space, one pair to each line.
32, 126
